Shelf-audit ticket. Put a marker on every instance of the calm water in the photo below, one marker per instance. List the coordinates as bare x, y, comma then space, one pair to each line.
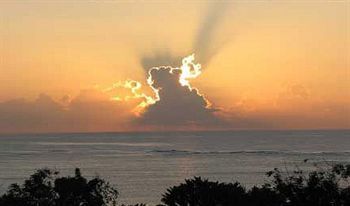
143, 165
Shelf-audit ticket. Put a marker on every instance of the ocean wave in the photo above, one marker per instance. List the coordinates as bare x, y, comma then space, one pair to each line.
265, 152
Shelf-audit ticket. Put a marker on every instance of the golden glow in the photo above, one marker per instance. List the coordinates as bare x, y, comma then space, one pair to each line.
136, 89
277, 62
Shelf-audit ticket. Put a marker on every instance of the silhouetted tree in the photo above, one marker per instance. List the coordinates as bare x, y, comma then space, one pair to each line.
37, 190
199, 192
44, 188
322, 187
263, 196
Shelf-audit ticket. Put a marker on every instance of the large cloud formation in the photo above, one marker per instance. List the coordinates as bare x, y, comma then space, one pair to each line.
178, 105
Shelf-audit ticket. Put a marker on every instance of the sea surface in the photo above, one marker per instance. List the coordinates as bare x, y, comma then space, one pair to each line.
143, 165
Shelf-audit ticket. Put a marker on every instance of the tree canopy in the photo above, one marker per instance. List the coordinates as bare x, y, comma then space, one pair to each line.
321, 187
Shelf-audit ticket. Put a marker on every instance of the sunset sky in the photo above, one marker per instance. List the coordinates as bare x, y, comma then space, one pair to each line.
265, 65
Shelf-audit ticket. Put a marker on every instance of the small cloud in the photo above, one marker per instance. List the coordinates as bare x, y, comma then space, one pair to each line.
294, 91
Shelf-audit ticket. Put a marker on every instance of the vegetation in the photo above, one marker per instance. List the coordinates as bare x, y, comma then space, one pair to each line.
317, 188
322, 187
203, 192
45, 188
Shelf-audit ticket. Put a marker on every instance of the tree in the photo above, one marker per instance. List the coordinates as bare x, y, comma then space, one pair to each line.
263, 196
199, 192
45, 188
321, 187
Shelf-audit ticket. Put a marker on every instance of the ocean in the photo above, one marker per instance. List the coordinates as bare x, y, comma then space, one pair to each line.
143, 165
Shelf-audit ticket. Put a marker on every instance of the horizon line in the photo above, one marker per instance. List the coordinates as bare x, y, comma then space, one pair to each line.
173, 131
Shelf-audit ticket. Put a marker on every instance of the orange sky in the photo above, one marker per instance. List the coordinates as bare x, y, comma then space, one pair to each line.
271, 65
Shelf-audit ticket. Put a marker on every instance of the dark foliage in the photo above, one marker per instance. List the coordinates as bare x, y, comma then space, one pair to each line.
44, 188
263, 196
323, 187
203, 192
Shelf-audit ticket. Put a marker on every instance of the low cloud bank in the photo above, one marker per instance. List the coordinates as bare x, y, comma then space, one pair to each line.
89, 111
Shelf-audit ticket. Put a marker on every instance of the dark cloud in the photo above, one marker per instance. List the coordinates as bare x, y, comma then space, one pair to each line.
20, 114
292, 111
178, 105
89, 111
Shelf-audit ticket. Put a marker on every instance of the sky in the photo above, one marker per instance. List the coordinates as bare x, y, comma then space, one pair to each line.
76, 66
